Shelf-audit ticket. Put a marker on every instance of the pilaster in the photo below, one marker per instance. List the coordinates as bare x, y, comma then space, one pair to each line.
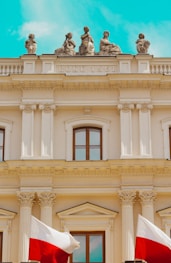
126, 129
47, 130
145, 129
27, 150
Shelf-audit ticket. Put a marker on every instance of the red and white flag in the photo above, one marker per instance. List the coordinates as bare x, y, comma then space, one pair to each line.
152, 244
48, 245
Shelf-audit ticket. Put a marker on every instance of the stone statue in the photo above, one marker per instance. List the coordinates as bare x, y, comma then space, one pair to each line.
108, 48
67, 47
142, 44
87, 45
30, 44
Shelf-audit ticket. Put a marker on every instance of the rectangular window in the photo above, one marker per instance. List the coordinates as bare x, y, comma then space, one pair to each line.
87, 143
170, 140
1, 239
92, 247
2, 141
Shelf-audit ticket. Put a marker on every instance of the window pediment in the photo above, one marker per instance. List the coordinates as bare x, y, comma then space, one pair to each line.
165, 212
6, 214
87, 209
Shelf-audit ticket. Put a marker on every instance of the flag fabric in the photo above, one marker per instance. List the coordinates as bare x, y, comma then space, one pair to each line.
48, 245
152, 244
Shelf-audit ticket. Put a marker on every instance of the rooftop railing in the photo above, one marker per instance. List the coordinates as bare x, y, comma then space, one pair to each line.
84, 65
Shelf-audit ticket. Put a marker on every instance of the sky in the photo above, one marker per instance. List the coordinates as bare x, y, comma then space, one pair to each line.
51, 20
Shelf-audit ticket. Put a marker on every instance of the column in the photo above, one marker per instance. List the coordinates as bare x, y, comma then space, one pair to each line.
145, 129
26, 201
127, 198
147, 200
27, 150
126, 129
47, 130
46, 201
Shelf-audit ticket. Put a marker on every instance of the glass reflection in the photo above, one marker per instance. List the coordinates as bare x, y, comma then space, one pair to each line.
96, 248
79, 255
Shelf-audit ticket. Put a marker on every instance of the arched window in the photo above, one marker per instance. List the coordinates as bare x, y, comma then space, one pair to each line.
2, 144
99, 131
166, 126
5, 136
87, 143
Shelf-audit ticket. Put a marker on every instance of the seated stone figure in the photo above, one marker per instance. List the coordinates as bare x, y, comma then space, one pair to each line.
108, 48
30, 44
142, 45
87, 45
67, 47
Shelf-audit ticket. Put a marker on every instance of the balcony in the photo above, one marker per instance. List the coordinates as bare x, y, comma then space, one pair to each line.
85, 65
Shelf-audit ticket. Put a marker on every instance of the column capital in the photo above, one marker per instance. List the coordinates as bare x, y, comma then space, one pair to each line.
46, 198
26, 198
125, 106
144, 106
147, 196
27, 107
127, 196
47, 107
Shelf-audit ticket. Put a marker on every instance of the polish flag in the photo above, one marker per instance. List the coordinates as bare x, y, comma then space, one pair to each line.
48, 245
152, 244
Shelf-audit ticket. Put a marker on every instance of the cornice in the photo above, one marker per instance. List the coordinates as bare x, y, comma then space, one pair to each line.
60, 81
110, 168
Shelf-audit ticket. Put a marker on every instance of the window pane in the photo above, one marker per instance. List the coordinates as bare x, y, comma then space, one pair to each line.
80, 153
94, 137
1, 155
80, 137
96, 248
1, 137
95, 153
79, 255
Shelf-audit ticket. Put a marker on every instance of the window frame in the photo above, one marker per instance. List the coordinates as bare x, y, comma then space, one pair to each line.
88, 234
166, 125
3, 144
87, 146
7, 126
1, 245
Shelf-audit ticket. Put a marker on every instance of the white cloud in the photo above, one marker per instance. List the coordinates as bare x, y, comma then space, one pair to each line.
156, 33
40, 29
50, 20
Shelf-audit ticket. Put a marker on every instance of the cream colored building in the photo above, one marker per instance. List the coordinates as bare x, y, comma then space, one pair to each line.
48, 105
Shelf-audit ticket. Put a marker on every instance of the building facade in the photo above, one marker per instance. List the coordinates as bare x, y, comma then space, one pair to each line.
84, 147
